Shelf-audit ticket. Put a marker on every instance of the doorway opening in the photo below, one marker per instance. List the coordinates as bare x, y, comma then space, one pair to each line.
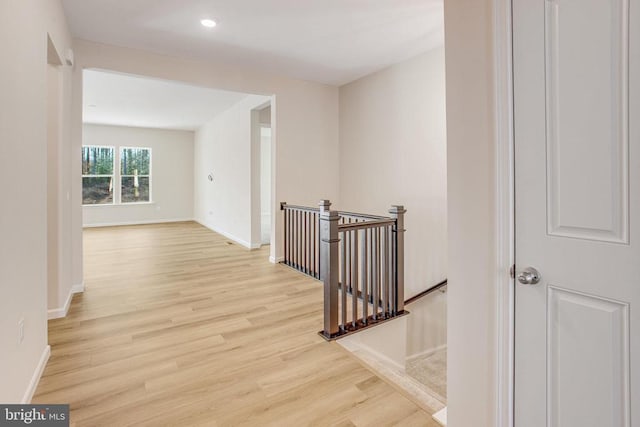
264, 147
158, 151
59, 271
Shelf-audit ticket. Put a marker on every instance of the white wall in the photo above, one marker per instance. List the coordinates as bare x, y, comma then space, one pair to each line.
265, 175
393, 151
305, 129
472, 205
427, 325
54, 160
23, 170
265, 184
386, 342
223, 148
265, 116
171, 180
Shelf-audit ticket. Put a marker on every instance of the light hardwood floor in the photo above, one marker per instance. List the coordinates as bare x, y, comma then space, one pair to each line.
179, 327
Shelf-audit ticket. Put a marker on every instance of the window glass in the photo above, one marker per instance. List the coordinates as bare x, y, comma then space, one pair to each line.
134, 161
135, 178
97, 175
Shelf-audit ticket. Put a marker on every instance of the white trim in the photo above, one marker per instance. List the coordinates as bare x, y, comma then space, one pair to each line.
441, 417
143, 222
274, 260
230, 236
426, 353
505, 208
35, 379
57, 313
78, 289
102, 205
151, 202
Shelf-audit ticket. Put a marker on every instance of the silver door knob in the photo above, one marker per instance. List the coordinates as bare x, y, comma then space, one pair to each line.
529, 276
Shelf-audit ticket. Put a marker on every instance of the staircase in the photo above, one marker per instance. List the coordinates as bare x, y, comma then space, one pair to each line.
360, 260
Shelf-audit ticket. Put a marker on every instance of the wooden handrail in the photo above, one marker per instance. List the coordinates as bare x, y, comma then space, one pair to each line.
361, 215
426, 292
285, 205
365, 224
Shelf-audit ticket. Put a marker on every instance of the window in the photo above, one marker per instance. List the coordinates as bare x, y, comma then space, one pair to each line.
97, 175
135, 175
103, 184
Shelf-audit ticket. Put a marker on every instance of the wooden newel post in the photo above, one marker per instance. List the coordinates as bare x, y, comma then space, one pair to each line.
329, 266
397, 212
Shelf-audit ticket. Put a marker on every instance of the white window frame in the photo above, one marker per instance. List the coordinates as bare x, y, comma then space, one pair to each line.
113, 175
120, 175
116, 177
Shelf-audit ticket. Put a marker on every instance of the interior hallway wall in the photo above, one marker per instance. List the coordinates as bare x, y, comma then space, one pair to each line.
393, 151
223, 149
427, 325
24, 27
474, 271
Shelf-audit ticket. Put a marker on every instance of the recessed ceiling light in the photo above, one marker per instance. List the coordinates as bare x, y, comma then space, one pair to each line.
209, 23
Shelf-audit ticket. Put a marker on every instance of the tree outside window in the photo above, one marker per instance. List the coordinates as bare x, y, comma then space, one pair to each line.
135, 175
97, 175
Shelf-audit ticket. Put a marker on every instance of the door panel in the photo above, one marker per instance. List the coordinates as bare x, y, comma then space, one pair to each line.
588, 345
577, 166
586, 46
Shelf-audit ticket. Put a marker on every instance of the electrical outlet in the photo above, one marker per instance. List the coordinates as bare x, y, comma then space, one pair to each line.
20, 330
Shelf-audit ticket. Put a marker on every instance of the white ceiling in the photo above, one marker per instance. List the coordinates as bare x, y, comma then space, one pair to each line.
125, 100
329, 41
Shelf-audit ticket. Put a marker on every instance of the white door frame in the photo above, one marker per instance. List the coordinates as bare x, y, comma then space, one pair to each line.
505, 207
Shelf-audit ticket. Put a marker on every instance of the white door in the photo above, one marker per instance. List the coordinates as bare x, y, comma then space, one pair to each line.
577, 142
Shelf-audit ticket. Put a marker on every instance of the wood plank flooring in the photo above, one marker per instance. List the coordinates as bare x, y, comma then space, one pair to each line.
179, 327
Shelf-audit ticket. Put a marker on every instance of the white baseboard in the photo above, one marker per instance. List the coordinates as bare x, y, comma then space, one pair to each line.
229, 236
441, 417
150, 221
35, 379
427, 352
57, 313
78, 289
277, 260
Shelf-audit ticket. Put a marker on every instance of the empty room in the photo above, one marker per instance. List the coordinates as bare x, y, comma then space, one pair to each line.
338, 213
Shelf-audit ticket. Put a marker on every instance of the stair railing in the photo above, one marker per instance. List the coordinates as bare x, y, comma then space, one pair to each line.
359, 258
302, 238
